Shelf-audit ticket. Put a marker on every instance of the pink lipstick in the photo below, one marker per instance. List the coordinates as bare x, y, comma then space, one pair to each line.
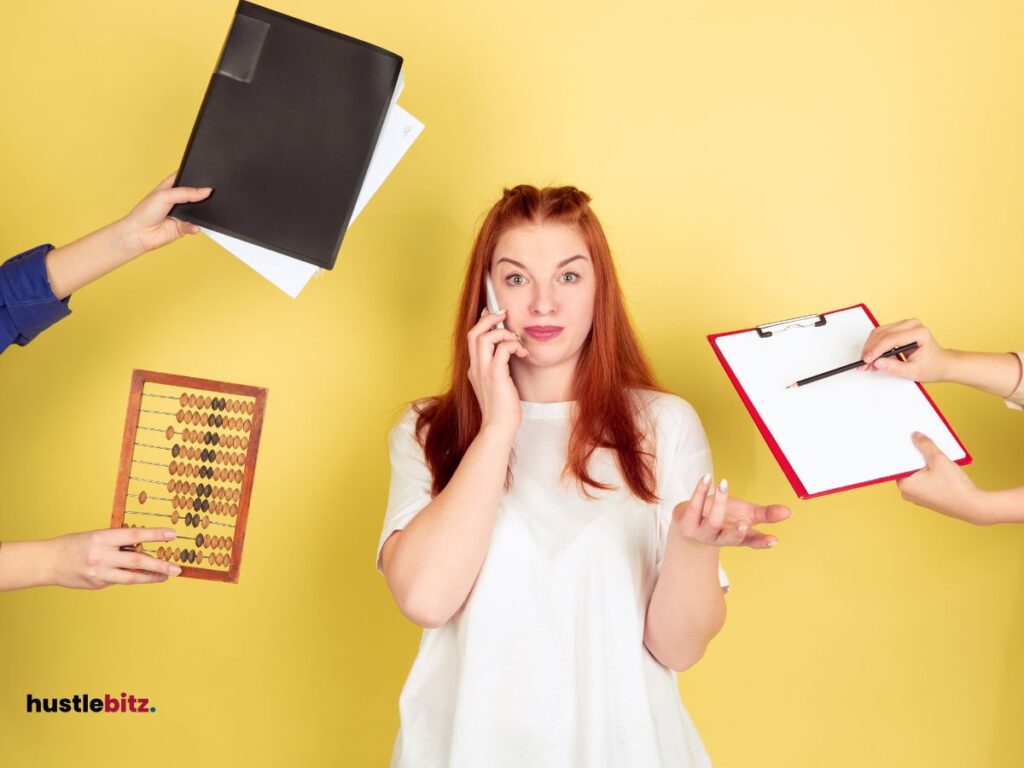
543, 332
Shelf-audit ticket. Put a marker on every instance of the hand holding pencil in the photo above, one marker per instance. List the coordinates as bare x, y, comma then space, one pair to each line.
927, 363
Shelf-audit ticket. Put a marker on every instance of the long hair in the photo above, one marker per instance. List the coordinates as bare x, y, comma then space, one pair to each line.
610, 365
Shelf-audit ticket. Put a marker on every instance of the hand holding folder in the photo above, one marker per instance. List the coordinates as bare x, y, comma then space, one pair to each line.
286, 134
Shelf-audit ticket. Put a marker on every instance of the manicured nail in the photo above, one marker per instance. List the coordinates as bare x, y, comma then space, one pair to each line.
175, 570
880, 363
723, 486
916, 435
500, 312
742, 528
706, 480
168, 535
773, 542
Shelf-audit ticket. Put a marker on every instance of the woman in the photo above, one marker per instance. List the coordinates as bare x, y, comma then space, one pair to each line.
542, 522
942, 485
34, 290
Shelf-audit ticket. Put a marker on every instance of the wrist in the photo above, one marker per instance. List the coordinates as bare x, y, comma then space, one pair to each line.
498, 434
952, 366
694, 551
124, 242
46, 559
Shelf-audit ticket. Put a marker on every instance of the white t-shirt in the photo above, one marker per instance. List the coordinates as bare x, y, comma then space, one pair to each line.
545, 665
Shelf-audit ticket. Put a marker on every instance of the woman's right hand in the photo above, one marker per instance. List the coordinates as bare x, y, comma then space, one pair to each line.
490, 349
929, 362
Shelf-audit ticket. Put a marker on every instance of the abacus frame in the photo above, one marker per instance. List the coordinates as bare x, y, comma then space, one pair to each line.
131, 424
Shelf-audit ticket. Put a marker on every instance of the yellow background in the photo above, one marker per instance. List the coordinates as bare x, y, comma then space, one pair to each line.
750, 161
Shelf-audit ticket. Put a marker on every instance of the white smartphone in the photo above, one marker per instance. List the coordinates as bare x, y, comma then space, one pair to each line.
492, 300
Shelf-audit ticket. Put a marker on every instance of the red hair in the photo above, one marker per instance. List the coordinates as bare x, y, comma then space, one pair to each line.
610, 365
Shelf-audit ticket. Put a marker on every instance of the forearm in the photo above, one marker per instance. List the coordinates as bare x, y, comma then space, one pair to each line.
687, 607
1001, 506
436, 558
995, 373
26, 564
79, 263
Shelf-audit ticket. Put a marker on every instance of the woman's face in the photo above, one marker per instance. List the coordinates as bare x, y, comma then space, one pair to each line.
544, 280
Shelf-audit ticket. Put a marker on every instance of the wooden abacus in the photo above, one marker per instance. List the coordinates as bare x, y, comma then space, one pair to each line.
189, 455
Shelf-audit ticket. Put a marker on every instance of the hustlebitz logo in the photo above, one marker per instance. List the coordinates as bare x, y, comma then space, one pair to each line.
126, 703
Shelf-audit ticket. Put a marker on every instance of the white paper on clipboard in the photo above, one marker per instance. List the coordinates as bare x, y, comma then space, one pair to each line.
850, 429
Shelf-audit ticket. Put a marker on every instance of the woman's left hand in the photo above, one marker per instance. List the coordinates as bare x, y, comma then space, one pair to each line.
148, 227
722, 521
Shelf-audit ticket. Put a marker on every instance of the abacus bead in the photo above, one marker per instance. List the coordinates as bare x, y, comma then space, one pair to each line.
191, 401
206, 521
247, 425
142, 497
175, 450
174, 517
183, 399
215, 439
181, 416
206, 402
199, 539
169, 433
199, 558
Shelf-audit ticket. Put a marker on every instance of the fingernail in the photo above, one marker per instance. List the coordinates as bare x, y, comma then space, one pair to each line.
168, 535
724, 485
773, 542
880, 364
706, 480
742, 528
175, 570
500, 312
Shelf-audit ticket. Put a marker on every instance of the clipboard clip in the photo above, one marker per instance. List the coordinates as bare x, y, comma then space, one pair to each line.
807, 321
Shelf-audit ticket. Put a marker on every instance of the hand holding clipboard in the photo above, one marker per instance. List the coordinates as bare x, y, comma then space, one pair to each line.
845, 431
942, 485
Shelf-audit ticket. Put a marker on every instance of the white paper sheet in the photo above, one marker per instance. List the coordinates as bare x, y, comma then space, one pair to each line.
398, 133
844, 430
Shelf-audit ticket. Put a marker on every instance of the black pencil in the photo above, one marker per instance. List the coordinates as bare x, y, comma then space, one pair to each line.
906, 348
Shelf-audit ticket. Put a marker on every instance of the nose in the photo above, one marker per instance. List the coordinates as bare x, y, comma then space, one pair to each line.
543, 301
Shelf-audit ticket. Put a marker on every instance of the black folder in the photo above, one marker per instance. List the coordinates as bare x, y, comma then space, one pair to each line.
285, 134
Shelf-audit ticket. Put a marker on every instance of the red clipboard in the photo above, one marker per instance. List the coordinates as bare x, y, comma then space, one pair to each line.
811, 321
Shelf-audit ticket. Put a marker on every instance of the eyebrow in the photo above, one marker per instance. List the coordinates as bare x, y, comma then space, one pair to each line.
560, 264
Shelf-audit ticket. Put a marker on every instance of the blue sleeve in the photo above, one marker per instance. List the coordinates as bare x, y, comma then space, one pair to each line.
27, 304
